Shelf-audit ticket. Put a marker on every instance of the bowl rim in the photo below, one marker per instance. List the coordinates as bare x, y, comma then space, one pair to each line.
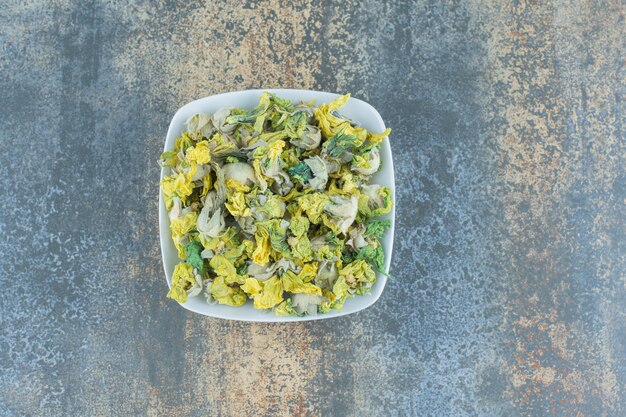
267, 316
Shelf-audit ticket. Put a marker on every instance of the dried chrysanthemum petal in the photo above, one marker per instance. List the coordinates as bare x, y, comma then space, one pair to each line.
272, 204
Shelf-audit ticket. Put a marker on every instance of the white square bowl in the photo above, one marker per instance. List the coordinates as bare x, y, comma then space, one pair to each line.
354, 109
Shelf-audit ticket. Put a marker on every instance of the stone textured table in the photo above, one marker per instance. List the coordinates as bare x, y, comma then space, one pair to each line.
508, 134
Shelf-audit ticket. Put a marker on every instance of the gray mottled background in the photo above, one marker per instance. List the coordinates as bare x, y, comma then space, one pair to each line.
508, 136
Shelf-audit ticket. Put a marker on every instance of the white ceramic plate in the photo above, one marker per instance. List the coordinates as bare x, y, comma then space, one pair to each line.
354, 109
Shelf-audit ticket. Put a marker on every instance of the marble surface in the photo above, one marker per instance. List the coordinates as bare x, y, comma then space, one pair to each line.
508, 135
